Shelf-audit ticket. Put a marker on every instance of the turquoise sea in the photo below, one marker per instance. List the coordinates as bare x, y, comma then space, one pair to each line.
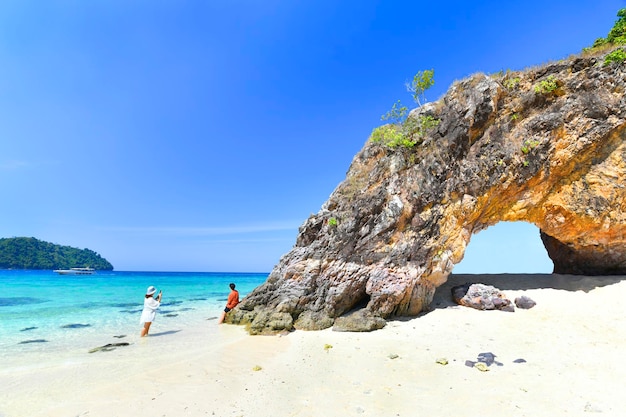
41, 311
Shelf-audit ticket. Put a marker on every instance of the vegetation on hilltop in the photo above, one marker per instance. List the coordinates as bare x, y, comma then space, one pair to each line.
403, 129
615, 38
617, 34
31, 253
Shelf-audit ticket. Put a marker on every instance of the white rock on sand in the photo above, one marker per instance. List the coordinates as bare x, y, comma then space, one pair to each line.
573, 342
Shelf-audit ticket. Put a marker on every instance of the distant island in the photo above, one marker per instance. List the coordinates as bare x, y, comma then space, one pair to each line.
31, 253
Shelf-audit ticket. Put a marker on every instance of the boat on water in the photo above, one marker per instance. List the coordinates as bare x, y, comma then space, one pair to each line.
75, 271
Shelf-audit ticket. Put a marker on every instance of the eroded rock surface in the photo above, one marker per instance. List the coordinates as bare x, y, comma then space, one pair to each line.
393, 230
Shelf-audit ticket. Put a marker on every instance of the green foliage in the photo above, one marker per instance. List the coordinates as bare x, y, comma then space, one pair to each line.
618, 55
416, 128
30, 253
390, 135
547, 86
600, 42
332, 222
511, 83
422, 81
407, 134
397, 114
529, 145
426, 123
620, 40
616, 36
402, 130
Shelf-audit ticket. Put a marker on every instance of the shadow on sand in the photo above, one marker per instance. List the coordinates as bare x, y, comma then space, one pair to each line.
521, 282
164, 333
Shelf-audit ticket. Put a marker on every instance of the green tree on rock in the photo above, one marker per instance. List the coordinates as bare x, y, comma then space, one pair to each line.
422, 81
403, 130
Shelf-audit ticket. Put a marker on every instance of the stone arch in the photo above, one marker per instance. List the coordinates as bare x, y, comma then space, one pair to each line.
503, 151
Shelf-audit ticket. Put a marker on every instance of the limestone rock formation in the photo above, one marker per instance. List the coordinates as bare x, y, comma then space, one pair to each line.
506, 149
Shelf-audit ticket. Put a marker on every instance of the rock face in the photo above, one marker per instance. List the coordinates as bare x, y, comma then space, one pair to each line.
506, 149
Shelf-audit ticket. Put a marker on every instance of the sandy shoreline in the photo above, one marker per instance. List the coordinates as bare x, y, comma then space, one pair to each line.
573, 343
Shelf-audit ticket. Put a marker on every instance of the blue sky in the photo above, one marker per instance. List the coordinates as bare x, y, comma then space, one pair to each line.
198, 135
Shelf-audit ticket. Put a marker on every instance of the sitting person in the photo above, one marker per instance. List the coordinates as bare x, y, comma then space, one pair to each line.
233, 300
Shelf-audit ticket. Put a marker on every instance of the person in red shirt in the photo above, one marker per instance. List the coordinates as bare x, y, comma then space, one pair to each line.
233, 300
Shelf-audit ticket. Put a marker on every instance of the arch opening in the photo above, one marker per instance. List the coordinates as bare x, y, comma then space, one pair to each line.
506, 247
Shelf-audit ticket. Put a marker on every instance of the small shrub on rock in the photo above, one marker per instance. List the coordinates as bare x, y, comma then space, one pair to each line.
404, 131
547, 86
618, 55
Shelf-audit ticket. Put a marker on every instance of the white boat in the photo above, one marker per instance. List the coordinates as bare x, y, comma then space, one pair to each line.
75, 271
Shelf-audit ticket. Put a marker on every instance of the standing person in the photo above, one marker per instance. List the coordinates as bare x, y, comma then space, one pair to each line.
233, 300
150, 305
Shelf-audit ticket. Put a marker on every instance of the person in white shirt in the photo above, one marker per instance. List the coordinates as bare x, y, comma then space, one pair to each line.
150, 306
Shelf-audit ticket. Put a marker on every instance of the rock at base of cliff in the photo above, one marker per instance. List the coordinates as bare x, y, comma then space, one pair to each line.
313, 320
524, 302
261, 321
359, 321
481, 297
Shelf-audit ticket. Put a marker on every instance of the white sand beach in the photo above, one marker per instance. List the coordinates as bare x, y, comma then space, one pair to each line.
573, 343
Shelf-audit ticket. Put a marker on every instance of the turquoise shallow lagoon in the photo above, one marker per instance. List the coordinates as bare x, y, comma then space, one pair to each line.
43, 312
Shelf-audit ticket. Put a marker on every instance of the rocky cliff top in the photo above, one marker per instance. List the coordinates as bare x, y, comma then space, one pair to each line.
545, 145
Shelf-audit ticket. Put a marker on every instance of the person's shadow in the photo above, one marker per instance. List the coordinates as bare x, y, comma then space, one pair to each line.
164, 333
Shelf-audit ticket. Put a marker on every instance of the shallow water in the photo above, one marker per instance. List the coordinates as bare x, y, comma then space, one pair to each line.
42, 312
